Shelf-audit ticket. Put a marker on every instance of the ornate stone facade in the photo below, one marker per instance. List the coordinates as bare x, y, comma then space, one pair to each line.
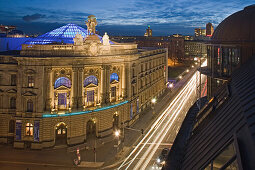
62, 94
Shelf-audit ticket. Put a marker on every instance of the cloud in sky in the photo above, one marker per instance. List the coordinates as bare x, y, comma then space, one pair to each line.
170, 14
33, 17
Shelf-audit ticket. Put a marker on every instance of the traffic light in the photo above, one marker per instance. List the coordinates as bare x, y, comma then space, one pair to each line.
142, 131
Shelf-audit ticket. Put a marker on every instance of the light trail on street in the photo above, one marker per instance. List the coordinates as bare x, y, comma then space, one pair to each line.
141, 156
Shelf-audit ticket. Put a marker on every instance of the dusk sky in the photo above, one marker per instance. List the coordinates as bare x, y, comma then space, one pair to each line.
118, 17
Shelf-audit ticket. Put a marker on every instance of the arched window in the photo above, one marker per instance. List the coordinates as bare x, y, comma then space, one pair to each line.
13, 103
62, 81
90, 80
114, 76
29, 106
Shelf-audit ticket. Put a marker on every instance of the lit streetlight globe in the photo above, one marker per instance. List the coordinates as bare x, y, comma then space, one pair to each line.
153, 100
117, 133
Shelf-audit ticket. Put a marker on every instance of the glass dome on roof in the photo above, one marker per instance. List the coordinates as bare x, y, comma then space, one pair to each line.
64, 34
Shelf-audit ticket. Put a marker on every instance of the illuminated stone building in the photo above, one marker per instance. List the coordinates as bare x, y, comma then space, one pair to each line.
221, 134
70, 84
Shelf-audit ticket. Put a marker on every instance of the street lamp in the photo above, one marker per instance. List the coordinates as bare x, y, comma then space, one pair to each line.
187, 70
117, 134
153, 101
171, 85
180, 77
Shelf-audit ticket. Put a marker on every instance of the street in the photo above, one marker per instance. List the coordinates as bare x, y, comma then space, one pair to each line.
163, 132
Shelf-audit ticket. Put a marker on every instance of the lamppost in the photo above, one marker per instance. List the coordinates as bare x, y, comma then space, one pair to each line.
153, 101
117, 134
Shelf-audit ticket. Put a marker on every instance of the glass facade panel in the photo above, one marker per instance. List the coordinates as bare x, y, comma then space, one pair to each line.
64, 34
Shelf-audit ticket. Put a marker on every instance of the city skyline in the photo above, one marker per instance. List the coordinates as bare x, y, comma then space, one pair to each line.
118, 18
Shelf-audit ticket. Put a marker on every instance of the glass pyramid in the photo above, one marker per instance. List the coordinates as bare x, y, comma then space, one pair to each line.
64, 34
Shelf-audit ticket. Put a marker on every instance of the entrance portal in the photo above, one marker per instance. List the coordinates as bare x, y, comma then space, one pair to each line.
61, 134
91, 129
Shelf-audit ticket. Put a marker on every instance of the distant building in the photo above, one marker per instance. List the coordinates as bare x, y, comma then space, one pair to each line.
200, 32
6, 28
195, 48
221, 134
148, 32
209, 29
16, 34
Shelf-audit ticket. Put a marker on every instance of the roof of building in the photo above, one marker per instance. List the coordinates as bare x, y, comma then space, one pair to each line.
239, 26
64, 34
221, 121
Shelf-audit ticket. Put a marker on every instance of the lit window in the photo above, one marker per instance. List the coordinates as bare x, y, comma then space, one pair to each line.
30, 80
29, 129
62, 81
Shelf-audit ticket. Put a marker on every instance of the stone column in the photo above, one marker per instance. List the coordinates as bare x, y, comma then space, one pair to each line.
107, 83
103, 85
79, 88
74, 93
49, 89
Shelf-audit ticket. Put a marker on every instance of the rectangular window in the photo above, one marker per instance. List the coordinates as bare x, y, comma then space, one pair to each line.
62, 99
13, 80
30, 80
113, 91
29, 129
90, 96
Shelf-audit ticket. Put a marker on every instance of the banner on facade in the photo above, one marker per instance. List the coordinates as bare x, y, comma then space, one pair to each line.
18, 129
36, 130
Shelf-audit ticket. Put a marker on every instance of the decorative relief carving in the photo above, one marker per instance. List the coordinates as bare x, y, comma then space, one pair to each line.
62, 72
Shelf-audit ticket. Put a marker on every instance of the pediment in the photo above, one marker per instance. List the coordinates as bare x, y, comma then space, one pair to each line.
91, 85
114, 82
30, 71
11, 91
29, 93
62, 88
